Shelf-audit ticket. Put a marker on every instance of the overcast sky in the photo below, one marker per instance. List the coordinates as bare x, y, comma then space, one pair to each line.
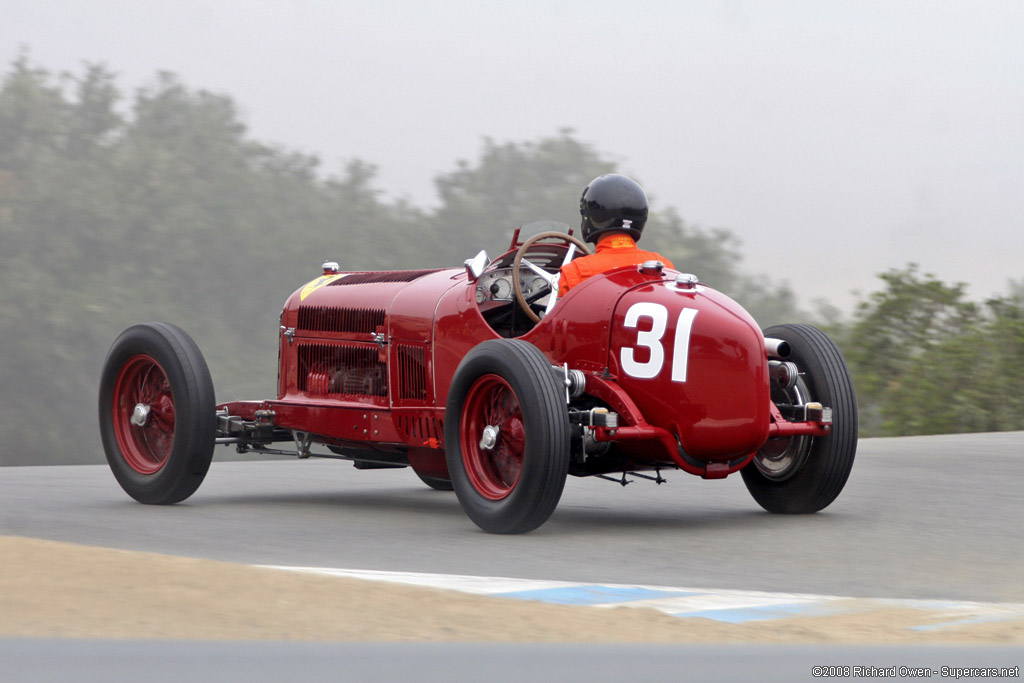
836, 139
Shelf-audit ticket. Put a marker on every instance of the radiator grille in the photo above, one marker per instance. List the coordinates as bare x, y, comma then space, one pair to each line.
341, 370
381, 276
337, 319
412, 372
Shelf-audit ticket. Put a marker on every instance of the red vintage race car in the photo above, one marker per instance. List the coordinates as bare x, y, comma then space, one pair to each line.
481, 382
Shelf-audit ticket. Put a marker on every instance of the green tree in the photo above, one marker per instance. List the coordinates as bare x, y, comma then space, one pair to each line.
55, 156
898, 323
1000, 360
514, 184
169, 213
927, 360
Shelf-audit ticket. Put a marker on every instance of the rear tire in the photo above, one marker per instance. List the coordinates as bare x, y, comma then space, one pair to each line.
507, 436
818, 467
157, 413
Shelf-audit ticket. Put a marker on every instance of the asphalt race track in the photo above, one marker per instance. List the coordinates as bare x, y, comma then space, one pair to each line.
921, 517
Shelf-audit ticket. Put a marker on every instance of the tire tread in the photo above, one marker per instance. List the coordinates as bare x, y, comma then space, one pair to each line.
824, 475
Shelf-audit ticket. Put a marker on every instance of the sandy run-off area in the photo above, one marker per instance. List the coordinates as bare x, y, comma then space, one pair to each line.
59, 590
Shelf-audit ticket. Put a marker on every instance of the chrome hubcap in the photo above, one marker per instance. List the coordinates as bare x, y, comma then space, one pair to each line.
140, 415
489, 438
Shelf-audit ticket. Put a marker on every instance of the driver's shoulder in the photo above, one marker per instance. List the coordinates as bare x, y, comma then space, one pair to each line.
572, 273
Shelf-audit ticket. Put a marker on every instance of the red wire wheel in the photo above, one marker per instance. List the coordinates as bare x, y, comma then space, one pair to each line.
507, 436
158, 418
144, 414
491, 410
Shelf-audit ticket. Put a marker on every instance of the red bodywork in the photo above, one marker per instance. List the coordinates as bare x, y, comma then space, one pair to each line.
366, 360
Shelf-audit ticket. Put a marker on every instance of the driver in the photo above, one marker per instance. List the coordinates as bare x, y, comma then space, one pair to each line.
614, 210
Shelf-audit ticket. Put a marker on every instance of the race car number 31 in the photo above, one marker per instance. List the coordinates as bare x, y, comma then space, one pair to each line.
652, 340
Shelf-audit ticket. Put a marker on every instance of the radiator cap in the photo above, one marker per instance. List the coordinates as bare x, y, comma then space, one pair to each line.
686, 281
652, 267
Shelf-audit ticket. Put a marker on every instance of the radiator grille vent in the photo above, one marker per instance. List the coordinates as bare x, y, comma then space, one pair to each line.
412, 372
341, 370
420, 430
336, 319
381, 276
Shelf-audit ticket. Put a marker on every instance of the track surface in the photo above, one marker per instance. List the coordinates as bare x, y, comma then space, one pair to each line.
104, 661
921, 517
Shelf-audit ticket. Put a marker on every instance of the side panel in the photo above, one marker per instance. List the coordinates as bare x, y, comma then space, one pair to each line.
458, 328
411, 335
577, 331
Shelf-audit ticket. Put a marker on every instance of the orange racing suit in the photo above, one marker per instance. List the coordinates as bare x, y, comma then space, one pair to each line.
613, 251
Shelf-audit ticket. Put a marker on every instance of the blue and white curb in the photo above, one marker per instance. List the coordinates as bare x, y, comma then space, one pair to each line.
730, 606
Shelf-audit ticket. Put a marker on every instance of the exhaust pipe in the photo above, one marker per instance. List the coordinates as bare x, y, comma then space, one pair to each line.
777, 348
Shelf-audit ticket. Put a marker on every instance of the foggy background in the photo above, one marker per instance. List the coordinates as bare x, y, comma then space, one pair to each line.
198, 161
836, 139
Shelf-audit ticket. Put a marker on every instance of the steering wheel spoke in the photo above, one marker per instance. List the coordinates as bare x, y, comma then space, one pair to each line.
550, 278
552, 300
569, 253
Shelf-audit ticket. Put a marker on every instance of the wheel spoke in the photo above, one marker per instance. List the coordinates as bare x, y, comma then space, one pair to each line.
494, 411
493, 467
507, 465
147, 446
505, 406
146, 389
162, 415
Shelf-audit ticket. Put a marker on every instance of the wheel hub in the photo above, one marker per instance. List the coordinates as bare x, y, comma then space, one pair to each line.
140, 415
780, 459
489, 438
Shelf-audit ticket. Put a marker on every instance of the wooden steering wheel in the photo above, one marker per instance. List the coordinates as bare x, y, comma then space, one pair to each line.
550, 278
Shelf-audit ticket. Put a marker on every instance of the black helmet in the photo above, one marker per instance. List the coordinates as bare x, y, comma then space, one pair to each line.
613, 203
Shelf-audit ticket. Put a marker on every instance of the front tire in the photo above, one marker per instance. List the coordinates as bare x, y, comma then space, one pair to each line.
157, 413
507, 436
805, 474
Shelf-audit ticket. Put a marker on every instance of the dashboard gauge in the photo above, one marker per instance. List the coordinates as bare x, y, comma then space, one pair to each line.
481, 295
538, 284
501, 289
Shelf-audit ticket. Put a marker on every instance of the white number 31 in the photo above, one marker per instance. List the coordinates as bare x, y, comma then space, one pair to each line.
651, 339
